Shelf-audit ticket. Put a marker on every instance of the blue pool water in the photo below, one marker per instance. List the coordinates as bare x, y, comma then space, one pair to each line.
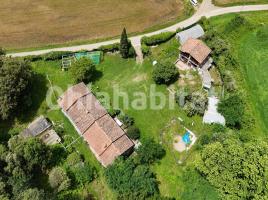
186, 138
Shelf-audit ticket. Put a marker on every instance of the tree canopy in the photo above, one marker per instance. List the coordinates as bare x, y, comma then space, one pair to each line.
149, 152
165, 72
15, 79
232, 109
21, 162
131, 181
238, 170
82, 70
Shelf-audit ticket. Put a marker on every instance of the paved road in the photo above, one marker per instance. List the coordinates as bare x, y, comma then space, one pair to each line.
206, 9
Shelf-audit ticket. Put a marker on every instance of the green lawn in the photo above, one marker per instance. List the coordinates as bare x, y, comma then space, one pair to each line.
128, 77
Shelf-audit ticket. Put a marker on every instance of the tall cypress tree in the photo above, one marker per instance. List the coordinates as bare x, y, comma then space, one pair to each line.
124, 44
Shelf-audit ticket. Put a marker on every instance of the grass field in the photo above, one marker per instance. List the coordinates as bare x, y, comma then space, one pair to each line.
35, 23
238, 2
251, 51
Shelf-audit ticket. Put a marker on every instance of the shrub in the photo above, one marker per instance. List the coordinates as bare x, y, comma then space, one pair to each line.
235, 23
178, 30
2, 52
33, 58
83, 173
82, 70
73, 159
149, 152
232, 109
127, 120
113, 112
110, 48
204, 22
56, 55
157, 39
197, 104
146, 51
58, 179
165, 72
133, 132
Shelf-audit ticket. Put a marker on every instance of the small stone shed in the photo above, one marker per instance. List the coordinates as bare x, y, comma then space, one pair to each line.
43, 129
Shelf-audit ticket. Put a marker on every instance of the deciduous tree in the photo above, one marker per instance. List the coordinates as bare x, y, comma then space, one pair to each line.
15, 78
82, 70
238, 170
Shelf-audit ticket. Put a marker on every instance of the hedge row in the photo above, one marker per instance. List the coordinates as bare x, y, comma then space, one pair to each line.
57, 55
110, 48
157, 39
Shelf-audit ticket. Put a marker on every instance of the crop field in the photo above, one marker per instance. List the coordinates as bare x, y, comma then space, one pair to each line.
35, 23
238, 2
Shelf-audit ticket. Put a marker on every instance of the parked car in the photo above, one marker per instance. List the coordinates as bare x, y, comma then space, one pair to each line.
194, 2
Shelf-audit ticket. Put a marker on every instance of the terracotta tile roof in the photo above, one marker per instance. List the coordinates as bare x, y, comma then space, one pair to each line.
104, 137
197, 49
72, 95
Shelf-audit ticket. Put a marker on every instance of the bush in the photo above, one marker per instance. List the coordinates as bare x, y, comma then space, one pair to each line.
113, 112
2, 52
56, 55
110, 48
33, 58
83, 173
235, 23
232, 109
149, 152
146, 51
197, 104
82, 70
204, 22
127, 120
58, 179
73, 159
133, 132
165, 72
157, 39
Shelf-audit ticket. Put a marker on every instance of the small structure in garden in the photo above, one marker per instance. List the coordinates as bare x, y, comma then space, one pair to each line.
95, 56
185, 142
194, 32
42, 129
195, 53
68, 59
106, 139
212, 115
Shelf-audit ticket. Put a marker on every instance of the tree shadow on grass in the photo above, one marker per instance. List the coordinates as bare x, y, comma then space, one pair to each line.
96, 76
25, 114
38, 91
